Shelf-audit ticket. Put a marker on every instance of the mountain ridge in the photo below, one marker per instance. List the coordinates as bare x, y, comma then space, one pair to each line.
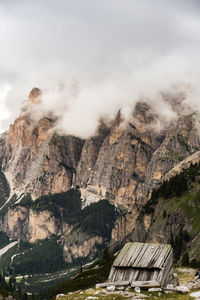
118, 167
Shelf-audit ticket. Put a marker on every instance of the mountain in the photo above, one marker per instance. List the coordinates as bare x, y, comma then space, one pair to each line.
70, 196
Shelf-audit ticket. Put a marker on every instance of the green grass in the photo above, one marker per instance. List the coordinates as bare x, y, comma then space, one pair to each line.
189, 203
166, 205
97, 272
42, 257
43, 283
78, 296
170, 296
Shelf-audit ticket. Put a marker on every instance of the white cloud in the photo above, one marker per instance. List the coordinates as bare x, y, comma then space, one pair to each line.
116, 51
4, 112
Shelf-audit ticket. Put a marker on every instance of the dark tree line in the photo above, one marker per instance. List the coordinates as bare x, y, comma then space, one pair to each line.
178, 184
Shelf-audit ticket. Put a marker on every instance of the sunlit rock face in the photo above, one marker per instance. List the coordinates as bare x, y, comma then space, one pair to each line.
36, 160
134, 157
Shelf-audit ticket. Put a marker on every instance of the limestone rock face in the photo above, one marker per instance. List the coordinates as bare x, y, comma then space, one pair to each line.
14, 223
132, 159
121, 163
37, 161
181, 140
41, 226
88, 248
21, 223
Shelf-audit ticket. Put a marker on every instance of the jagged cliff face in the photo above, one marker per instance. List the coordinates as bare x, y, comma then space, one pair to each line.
121, 163
37, 161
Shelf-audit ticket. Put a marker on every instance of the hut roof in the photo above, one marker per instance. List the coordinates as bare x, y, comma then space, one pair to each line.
143, 255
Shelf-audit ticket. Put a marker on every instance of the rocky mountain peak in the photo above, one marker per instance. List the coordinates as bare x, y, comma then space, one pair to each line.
122, 162
34, 96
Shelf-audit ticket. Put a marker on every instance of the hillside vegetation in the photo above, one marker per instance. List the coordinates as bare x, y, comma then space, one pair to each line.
174, 211
97, 272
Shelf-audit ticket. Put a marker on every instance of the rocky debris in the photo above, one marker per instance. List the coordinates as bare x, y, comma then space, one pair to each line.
111, 288
155, 290
97, 293
125, 294
89, 290
134, 294
120, 288
60, 295
195, 295
175, 279
182, 288
137, 289
194, 284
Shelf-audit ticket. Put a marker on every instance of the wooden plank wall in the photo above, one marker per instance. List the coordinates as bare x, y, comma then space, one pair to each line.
164, 275
130, 274
167, 277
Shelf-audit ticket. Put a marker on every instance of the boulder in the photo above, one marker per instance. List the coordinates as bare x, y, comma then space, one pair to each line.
121, 288
183, 289
175, 280
195, 294
97, 293
137, 289
60, 295
110, 288
155, 290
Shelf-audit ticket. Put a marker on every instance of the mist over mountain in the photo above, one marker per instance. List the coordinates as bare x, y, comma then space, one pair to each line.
92, 59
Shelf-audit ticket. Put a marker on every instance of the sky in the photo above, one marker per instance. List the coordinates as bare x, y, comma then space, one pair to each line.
92, 58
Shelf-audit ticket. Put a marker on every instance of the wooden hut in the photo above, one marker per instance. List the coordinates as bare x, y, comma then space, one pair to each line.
143, 265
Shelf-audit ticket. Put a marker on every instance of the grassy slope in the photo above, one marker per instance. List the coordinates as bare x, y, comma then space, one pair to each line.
97, 272
43, 256
153, 296
83, 294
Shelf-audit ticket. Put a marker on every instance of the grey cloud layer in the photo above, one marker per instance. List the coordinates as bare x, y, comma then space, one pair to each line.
116, 51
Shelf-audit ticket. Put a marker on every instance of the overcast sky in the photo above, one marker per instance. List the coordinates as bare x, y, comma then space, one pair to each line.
113, 51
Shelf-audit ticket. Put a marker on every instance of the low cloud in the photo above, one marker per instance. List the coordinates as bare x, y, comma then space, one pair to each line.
92, 58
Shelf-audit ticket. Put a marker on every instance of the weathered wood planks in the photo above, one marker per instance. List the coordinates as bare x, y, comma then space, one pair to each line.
147, 284
143, 262
116, 283
142, 255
